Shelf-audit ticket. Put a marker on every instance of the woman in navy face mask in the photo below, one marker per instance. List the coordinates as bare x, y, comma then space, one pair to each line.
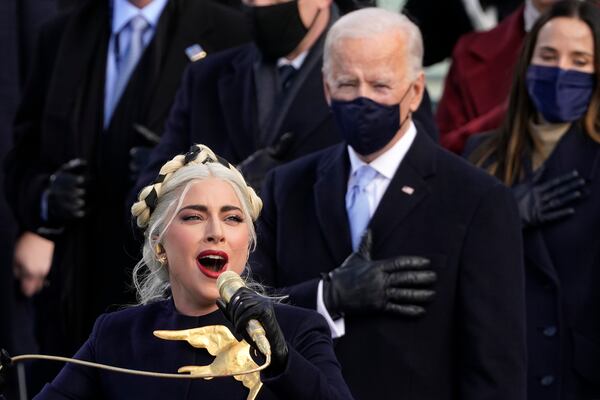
548, 152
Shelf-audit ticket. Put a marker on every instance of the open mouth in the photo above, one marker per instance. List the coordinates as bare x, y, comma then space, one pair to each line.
212, 263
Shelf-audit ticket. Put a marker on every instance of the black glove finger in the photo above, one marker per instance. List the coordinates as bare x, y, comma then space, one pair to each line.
411, 278
223, 307
366, 243
560, 202
556, 215
409, 296
65, 181
558, 181
405, 310
282, 146
77, 166
570, 186
404, 263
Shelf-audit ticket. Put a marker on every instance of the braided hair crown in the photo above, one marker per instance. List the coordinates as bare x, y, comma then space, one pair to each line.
198, 154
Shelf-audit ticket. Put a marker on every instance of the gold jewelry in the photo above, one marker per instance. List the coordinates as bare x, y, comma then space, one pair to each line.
161, 255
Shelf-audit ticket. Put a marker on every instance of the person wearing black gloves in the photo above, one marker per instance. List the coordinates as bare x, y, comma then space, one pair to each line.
199, 218
412, 255
548, 153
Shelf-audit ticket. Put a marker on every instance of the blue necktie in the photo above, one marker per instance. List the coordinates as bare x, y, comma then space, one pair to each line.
129, 59
357, 202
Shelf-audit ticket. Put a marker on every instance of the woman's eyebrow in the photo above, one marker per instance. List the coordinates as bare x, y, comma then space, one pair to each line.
195, 207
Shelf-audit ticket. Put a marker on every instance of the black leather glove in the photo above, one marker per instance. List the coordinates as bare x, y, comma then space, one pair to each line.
539, 203
139, 158
5, 365
396, 285
67, 192
255, 167
246, 305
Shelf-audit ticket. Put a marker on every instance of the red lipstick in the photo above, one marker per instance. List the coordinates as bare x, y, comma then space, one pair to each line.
212, 262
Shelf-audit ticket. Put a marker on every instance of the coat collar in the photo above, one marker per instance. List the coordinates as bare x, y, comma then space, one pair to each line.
407, 189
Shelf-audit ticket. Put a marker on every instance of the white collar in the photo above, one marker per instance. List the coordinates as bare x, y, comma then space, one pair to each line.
387, 163
124, 11
531, 14
296, 62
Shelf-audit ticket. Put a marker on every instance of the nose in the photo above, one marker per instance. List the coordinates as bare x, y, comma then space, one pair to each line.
214, 232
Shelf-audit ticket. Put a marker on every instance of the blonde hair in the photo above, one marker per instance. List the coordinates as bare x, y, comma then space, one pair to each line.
157, 203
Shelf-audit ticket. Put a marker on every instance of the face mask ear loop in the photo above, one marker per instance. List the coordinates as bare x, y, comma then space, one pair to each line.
400, 106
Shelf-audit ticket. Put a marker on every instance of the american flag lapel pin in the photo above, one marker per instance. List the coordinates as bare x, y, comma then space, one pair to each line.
195, 52
408, 190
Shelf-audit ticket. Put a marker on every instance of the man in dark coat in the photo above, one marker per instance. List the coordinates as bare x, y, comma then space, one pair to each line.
72, 165
426, 214
249, 105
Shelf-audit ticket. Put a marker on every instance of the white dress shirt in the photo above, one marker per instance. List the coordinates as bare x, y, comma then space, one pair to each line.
531, 14
122, 12
386, 165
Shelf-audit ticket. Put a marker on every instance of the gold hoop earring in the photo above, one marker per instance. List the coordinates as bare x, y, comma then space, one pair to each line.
161, 255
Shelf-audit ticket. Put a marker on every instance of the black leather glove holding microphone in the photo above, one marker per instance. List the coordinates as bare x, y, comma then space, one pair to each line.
399, 285
542, 202
67, 192
246, 305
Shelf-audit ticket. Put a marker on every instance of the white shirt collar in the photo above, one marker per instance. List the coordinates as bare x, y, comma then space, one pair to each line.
387, 163
296, 62
124, 11
531, 14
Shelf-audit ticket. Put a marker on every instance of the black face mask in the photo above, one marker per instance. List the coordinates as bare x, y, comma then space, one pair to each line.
278, 29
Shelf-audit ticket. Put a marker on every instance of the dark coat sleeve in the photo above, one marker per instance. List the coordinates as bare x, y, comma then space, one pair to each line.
313, 371
491, 289
176, 137
76, 381
27, 173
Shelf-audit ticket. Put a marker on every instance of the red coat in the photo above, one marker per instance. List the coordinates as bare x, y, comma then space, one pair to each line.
477, 86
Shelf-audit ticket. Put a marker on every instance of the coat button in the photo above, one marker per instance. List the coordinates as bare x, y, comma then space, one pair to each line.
550, 331
547, 380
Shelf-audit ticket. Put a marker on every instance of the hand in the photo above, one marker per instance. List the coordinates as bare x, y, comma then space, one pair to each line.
139, 158
5, 365
246, 305
31, 262
255, 167
361, 285
539, 203
66, 192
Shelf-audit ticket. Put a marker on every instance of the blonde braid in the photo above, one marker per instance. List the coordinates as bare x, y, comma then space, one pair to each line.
198, 154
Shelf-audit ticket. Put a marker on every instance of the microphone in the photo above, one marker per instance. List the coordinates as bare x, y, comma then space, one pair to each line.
228, 283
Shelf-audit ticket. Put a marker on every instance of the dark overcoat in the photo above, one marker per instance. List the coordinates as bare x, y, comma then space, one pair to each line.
471, 343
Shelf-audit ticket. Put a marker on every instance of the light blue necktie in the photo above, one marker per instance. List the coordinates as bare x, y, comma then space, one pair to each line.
357, 202
128, 60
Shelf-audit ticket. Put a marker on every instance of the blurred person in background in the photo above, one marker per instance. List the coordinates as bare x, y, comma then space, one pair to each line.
548, 152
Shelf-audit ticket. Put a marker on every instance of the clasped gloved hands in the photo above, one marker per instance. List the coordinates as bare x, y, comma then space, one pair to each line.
5, 365
362, 285
255, 167
541, 202
67, 192
245, 305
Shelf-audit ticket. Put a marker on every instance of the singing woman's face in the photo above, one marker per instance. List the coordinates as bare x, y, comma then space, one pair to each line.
208, 235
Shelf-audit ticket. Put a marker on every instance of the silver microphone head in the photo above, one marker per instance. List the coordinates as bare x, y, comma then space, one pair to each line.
228, 283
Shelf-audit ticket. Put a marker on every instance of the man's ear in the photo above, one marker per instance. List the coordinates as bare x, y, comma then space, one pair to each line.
326, 90
418, 89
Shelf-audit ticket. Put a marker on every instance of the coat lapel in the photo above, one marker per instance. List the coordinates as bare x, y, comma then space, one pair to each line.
407, 188
179, 27
330, 193
237, 96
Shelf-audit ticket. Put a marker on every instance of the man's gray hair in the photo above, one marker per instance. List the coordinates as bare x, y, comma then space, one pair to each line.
371, 22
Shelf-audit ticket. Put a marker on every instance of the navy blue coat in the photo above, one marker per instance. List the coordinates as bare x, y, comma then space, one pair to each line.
471, 343
562, 261
125, 339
